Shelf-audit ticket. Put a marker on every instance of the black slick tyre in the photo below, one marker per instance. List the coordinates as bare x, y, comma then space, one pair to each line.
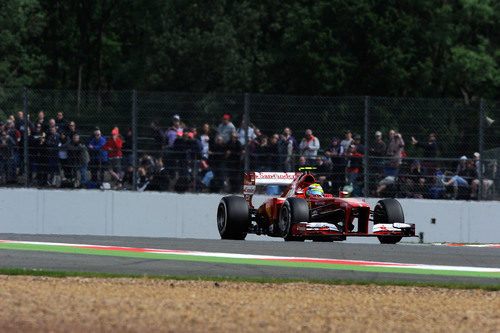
232, 218
292, 211
388, 211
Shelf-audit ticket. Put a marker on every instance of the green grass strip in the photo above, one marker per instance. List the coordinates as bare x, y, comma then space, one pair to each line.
66, 274
261, 262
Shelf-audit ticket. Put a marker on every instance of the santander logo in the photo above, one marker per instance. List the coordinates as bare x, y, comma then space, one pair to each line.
269, 175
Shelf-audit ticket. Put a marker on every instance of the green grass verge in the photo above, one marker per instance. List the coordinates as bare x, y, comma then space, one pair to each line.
248, 261
63, 274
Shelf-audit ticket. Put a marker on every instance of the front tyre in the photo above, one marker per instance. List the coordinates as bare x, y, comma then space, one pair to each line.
388, 211
292, 211
232, 218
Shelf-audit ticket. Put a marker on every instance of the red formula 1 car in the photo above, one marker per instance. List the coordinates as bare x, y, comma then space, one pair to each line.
297, 217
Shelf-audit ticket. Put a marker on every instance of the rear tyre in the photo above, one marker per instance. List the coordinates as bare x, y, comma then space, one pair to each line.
388, 211
292, 211
232, 218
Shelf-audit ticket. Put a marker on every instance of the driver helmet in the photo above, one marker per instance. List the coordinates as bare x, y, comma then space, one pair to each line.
315, 190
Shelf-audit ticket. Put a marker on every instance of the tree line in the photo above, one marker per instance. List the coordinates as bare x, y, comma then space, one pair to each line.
429, 48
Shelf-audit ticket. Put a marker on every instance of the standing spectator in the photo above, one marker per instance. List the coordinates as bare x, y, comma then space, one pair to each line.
71, 130
42, 159
430, 152
174, 131
285, 151
61, 123
309, 145
286, 146
378, 149
241, 133
20, 123
113, 146
43, 122
187, 150
179, 157
194, 147
12, 131
274, 153
334, 153
37, 131
52, 144
233, 162
252, 152
33, 150
360, 148
395, 151
205, 139
98, 157
262, 154
16, 152
51, 123
334, 148
6, 155
353, 164
64, 160
287, 134
79, 158
127, 148
226, 128
347, 140
158, 136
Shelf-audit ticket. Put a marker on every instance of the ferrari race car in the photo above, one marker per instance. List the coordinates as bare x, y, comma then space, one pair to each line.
296, 215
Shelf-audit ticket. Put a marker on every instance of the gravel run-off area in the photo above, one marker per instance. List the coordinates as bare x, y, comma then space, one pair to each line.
75, 304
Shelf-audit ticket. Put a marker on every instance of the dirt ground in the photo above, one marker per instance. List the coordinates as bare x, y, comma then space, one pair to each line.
121, 304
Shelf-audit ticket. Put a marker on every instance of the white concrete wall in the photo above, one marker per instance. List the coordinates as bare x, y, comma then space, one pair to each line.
94, 212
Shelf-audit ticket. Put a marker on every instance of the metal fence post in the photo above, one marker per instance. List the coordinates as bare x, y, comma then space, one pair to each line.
25, 137
246, 116
481, 144
367, 149
134, 138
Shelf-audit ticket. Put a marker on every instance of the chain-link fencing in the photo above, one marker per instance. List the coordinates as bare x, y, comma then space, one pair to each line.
135, 140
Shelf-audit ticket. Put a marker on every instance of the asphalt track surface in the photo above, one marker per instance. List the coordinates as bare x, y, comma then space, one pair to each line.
399, 253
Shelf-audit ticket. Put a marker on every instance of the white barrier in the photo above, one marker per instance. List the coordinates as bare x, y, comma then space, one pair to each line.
154, 214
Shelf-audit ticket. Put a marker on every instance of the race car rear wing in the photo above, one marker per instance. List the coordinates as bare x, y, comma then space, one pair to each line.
254, 179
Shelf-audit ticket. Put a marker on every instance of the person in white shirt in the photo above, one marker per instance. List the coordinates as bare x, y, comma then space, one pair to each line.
309, 145
241, 133
347, 140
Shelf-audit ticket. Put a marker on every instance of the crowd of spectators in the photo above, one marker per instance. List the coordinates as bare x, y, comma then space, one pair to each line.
221, 153
57, 156
212, 159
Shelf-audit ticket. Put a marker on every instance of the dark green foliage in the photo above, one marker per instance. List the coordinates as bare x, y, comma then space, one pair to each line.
430, 48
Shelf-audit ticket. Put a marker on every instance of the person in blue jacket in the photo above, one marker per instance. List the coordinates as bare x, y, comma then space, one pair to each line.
98, 157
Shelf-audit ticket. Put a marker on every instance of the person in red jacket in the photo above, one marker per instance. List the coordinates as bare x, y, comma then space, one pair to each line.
354, 163
114, 145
